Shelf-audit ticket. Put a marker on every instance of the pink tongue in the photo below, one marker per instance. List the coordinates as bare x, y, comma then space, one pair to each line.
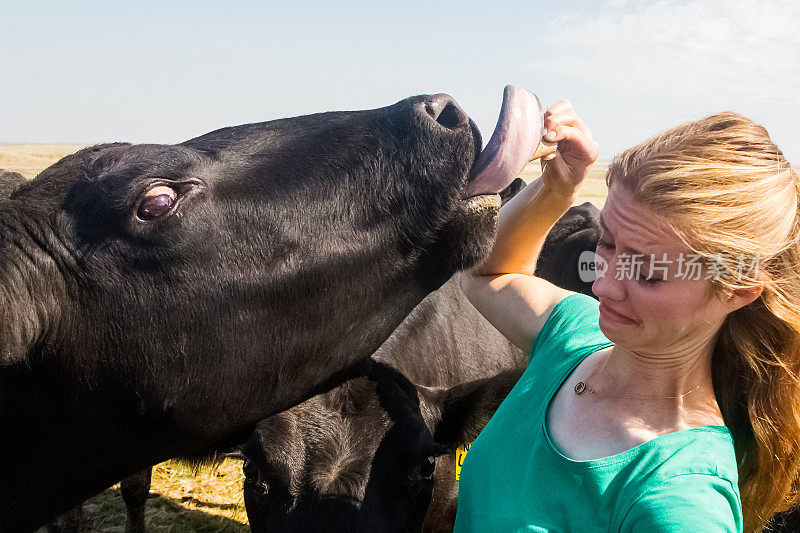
514, 141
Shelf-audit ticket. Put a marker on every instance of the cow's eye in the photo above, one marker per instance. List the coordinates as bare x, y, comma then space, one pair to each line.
157, 202
428, 467
249, 469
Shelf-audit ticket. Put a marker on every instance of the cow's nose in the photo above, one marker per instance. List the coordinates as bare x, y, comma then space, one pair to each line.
443, 109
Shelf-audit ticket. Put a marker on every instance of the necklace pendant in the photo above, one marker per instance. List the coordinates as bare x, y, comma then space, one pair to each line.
580, 387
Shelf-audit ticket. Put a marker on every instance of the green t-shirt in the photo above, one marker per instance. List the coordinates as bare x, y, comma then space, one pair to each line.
515, 479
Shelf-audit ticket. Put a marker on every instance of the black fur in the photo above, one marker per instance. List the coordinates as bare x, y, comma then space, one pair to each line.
577, 231
9, 181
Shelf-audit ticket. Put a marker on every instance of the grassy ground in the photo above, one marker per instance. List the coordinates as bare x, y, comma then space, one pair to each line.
593, 189
181, 501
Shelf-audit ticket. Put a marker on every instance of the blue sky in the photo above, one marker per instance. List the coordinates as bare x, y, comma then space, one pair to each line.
87, 72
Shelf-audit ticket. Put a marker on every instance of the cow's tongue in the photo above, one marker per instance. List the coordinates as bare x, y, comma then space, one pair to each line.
513, 144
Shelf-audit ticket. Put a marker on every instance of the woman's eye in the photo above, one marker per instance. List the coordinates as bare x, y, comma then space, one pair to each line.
157, 202
603, 244
647, 281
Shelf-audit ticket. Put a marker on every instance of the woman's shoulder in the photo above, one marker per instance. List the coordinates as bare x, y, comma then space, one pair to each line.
572, 326
686, 502
706, 450
687, 480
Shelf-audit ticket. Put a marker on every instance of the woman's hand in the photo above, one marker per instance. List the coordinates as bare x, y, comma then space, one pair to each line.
565, 170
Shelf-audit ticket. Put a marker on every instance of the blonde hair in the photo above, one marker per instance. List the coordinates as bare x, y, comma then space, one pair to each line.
728, 191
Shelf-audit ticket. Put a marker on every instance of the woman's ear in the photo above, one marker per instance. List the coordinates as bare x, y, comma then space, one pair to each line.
738, 298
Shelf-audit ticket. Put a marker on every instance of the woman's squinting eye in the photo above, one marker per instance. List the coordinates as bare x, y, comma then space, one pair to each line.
157, 202
644, 280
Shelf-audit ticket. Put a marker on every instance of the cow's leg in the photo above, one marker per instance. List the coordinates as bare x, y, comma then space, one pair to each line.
254, 493
69, 522
135, 490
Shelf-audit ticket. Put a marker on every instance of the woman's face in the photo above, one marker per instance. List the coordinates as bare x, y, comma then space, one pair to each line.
666, 304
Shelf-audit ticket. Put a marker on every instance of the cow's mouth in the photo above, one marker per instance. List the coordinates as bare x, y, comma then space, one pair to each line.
513, 144
467, 237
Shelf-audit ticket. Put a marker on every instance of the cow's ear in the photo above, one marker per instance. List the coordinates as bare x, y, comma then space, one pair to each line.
464, 410
9, 181
24, 305
19, 315
12, 345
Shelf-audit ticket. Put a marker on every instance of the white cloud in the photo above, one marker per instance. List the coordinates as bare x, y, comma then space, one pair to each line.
719, 48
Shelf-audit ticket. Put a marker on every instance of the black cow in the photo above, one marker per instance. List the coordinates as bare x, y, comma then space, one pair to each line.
134, 490
159, 300
362, 457
375, 455
574, 234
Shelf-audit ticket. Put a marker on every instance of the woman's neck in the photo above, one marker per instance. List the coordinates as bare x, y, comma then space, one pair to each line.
670, 388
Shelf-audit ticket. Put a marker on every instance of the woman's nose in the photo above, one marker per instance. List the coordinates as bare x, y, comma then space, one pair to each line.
606, 284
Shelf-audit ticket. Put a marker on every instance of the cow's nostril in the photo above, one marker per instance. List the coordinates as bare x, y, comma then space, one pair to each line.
444, 110
451, 117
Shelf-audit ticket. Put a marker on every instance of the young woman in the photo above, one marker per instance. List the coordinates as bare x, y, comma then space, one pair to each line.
674, 404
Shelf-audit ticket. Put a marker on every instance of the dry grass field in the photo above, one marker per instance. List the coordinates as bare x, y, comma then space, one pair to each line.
593, 189
181, 499
30, 159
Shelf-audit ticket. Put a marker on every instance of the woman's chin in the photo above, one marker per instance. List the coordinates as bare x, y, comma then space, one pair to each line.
614, 331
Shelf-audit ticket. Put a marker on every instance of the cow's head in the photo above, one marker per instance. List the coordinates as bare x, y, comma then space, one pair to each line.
571, 243
376, 454
254, 261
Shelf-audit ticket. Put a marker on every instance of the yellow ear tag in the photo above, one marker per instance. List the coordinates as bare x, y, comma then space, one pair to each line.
461, 454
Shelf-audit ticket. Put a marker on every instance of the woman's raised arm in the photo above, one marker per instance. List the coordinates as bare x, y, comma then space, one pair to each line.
503, 287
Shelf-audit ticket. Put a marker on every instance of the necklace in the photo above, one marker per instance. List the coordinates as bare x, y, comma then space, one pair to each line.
581, 387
